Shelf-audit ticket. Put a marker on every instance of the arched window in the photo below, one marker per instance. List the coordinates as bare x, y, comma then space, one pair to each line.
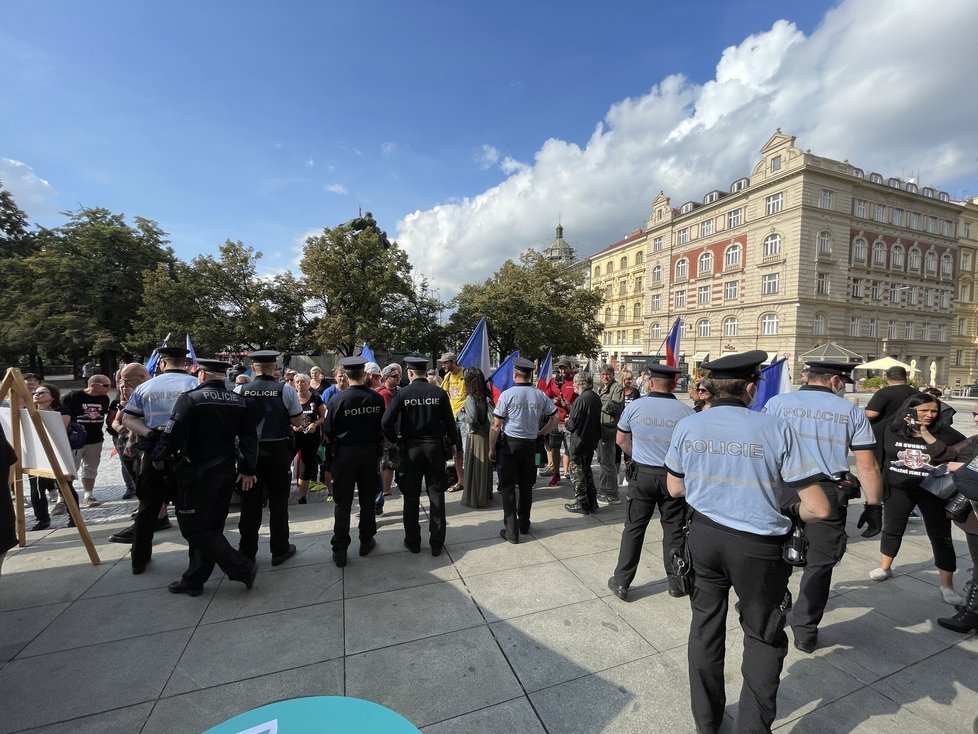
824, 243
930, 262
607, 315
621, 313
624, 262
896, 257
657, 274
705, 263
703, 327
682, 269
818, 324
769, 324
913, 258
611, 267
639, 257
731, 256
656, 332
945, 264
772, 245
597, 271
859, 250
637, 311
879, 254
731, 326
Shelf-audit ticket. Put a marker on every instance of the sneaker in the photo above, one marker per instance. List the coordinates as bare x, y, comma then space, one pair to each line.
41, 525
554, 481
59, 509
914, 515
613, 500
91, 502
303, 501
880, 574
601, 498
950, 596
545, 472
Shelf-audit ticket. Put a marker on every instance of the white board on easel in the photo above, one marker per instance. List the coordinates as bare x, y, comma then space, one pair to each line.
33, 459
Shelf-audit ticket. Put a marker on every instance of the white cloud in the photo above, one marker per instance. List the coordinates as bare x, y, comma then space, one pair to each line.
31, 193
865, 86
336, 188
310, 162
387, 148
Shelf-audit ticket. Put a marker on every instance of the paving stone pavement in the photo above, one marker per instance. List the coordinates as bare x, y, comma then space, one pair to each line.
487, 636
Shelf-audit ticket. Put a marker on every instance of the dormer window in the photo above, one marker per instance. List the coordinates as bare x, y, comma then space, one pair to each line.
911, 188
686, 208
943, 196
875, 178
739, 185
894, 183
711, 197
928, 192
858, 173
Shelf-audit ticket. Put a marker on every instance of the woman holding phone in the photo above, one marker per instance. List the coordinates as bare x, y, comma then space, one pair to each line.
910, 448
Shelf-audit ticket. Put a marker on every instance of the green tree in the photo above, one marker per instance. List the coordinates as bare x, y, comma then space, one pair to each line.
533, 305
362, 289
15, 239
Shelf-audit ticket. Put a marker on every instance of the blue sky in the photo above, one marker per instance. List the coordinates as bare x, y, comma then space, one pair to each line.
265, 122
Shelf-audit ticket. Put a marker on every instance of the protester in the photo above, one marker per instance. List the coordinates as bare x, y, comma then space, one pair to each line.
308, 434
478, 471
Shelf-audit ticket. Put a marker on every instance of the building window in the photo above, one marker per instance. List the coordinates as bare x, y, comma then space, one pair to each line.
822, 284
607, 315
879, 213
912, 297
731, 326
932, 225
731, 290
657, 274
818, 324
636, 336
682, 329
898, 217
859, 250
656, 332
705, 263
597, 271
891, 329
774, 203
876, 290
945, 264
772, 245
770, 283
947, 228
682, 236
639, 257
913, 259
966, 260
776, 163
896, 257
857, 288
966, 230
624, 262
964, 291
638, 284
769, 324
853, 326
879, 254
608, 291
637, 311
873, 329
908, 330
925, 332
658, 213
706, 228
610, 267
621, 288
860, 208
824, 243
735, 218
914, 220
681, 299
703, 327
930, 262
739, 185
956, 359
682, 269
731, 256
656, 302
928, 297
621, 314
826, 199
960, 331
703, 294
656, 244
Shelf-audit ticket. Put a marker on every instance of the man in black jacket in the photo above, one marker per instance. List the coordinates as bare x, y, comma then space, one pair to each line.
583, 428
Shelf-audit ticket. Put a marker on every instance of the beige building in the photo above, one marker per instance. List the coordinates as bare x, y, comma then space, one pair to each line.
963, 368
802, 251
619, 271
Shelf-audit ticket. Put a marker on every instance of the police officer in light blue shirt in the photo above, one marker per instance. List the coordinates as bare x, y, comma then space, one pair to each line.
830, 426
644, 432
737, 469
522, 415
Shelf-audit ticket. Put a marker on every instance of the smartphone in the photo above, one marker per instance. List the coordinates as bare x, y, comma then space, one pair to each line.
912, 419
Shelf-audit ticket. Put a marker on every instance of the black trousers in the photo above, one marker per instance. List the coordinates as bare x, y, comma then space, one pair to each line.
896, 510
645, 494
273, 481
423, 460
827, 544
202, 503
40, 486
752, 565
307, 445
516, 463
154, 487
354, 467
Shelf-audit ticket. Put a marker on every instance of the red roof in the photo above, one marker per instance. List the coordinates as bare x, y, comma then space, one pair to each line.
636, 235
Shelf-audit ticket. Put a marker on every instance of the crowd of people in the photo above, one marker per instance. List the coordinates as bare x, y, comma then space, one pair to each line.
742, 496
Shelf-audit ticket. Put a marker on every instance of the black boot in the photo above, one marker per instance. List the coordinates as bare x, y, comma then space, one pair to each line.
578, 507
967, 617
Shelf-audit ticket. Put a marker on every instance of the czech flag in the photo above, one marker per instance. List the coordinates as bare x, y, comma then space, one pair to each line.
776, 380
475, 353
367, 355
154, 358
672, 346
192, 355
502, 378
546, 370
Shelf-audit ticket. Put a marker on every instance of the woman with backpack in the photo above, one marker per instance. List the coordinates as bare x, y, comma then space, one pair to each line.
477, 482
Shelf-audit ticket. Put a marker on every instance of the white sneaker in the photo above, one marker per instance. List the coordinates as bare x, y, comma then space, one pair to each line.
59, 509
91, 502
951, 596
880, 574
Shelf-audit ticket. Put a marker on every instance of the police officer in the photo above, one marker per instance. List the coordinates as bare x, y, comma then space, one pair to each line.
644, 432
273, 408
208, 428
145, 415
830, 426
420, 416
523, 415
733, 466
353, 427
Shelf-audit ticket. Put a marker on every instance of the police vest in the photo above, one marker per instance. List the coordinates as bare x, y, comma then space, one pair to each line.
267, 408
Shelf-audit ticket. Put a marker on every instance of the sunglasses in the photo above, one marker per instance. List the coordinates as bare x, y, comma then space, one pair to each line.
702, 389
974, 415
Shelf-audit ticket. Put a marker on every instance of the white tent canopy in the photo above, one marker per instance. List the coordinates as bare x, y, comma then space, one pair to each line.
884, 364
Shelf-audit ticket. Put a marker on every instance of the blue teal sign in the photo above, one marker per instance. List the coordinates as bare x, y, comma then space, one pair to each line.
317, 715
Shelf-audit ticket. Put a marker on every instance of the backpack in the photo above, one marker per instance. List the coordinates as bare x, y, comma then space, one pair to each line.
77, 435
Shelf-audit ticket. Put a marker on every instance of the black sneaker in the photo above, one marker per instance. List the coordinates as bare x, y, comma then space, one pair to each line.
178, 587
123, 536
368, 546
578, 508
279, 559
339, 558
42, 525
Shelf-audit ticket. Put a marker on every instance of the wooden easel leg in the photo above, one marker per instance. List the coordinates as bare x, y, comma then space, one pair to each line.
75, 513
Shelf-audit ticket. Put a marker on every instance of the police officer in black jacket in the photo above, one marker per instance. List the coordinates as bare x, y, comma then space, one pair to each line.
273, 408
215, 445
353, 427
420, 416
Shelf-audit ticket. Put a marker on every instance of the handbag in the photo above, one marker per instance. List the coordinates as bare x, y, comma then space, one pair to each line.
939, 483
77, 435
